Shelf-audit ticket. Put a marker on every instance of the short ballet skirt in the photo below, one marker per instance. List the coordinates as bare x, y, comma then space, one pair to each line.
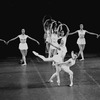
81, 41
23, 46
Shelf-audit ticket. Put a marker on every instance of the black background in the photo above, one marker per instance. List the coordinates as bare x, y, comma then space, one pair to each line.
15, 15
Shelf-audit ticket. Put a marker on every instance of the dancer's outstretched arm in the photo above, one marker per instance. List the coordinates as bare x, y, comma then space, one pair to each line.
33, 39
73, 33
93, 33
3, 40
42, 57
12, 39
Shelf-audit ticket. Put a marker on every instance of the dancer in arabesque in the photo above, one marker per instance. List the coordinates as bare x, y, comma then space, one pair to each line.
60, 64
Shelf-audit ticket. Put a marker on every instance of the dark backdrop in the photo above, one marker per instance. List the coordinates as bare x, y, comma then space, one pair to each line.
15, 15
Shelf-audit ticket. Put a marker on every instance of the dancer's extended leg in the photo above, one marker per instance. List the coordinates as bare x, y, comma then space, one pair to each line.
42, 57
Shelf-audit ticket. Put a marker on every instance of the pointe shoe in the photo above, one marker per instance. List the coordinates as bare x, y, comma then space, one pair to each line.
71, 84
24, 64
58, 82
50, 81
81, 59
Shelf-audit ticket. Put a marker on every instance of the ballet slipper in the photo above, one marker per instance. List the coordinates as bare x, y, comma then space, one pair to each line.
58, 82
71, 84
24, 64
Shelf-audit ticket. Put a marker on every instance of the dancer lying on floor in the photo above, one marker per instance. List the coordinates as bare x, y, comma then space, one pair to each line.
60, 65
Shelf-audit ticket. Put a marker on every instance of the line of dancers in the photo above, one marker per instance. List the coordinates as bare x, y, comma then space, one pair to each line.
56, 34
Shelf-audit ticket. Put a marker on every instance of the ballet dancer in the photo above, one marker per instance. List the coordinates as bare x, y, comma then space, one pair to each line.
47, 35
52, 38
55, 38
81, 40
23, 47
57, 59
60, 65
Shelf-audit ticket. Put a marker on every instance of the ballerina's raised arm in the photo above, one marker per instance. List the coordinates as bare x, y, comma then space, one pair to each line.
91, 33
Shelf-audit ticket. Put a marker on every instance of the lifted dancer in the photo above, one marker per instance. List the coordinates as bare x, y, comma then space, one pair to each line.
81, 40
23, 47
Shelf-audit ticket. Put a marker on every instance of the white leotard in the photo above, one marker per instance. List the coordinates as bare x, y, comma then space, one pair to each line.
81, 39
81, 33
23, 45
23, 38
57, 59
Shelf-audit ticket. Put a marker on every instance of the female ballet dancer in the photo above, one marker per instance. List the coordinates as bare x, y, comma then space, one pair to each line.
81, 40
55, 37
47, 37
53, 40
63, 36
23, 47
47, 31
47, 34
60, 65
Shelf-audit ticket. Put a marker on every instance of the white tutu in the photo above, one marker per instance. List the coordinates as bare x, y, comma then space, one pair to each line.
81, 41
23, 46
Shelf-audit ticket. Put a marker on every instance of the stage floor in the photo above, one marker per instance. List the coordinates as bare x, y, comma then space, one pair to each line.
31, 82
